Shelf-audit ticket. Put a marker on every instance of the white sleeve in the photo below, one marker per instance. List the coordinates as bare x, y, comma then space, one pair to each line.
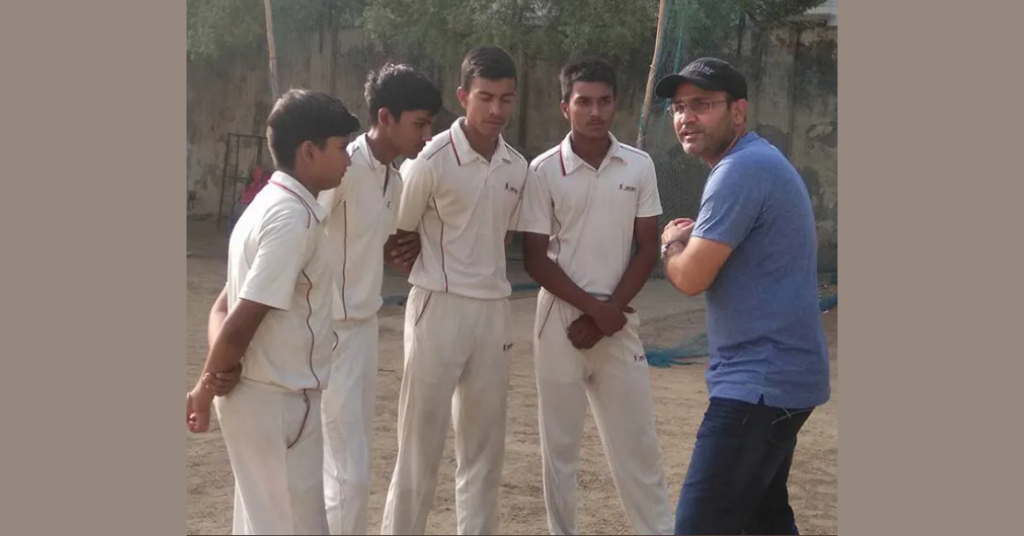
649, 200
417, 187
281, 254
536, 207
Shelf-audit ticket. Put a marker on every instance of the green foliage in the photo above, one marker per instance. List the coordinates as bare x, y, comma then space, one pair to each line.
615, 29
434, 29
697, 28
706, 27
445, 29
775, 11
218, 28
622, 31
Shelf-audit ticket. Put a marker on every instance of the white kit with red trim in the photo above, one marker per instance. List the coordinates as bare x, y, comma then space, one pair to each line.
456, 330
589, 213
462, 206
270, 421
362, 213
278, 256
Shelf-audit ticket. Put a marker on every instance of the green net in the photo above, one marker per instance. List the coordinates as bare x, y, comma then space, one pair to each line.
787, 50
769, 41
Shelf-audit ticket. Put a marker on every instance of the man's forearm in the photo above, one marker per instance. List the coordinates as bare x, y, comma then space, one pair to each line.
550, 276
639, 270
671, 264
677, 271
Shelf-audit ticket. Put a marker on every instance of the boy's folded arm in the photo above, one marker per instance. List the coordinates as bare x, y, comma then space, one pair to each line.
235, 335
278, 263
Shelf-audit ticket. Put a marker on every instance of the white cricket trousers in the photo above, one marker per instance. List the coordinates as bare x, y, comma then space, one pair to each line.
278, 490
347, 408
615, 377
456, 369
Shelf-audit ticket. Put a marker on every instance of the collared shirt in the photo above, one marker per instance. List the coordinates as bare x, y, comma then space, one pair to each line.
764, 326
462, 206
590, 213
361, 214
277, 256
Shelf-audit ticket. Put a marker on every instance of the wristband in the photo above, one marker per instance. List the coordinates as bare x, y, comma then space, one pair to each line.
666, 245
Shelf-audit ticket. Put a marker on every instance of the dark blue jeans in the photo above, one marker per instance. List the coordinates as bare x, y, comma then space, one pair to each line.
736, 482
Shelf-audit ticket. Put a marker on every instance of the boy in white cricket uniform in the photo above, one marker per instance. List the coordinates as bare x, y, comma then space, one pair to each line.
586, 200
461, 194
362, 214
277, 319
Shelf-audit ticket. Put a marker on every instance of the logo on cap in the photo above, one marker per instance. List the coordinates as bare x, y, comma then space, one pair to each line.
699, 67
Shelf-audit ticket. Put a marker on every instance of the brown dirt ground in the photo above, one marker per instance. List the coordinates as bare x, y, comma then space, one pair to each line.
679, 393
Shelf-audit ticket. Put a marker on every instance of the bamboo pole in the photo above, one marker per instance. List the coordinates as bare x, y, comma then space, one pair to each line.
272, 52
645, 112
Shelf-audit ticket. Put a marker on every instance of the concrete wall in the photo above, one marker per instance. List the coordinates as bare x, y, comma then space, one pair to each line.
794, 95
793, 79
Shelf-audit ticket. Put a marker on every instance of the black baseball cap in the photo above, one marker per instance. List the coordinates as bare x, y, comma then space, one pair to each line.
711, 74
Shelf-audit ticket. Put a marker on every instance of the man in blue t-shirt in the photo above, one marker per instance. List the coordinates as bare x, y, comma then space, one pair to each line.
753, 250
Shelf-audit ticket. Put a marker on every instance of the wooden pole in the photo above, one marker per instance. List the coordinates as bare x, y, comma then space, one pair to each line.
272, 52
645, 111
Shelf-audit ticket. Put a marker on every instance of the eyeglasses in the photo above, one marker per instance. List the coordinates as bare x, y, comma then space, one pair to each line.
696, 106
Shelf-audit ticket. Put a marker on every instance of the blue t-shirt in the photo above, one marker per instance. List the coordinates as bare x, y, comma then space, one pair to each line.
764, 325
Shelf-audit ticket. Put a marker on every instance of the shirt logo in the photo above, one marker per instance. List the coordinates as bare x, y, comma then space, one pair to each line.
510, 188
627, 188
506, 347
388, 204
638, 358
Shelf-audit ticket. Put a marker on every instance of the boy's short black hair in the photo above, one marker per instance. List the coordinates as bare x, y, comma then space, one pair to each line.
301, 115
587, 70
400, 88
489, 62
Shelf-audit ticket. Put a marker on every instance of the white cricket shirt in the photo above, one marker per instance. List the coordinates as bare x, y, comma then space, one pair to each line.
590, 213
361, 214
462, 206
278, 256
